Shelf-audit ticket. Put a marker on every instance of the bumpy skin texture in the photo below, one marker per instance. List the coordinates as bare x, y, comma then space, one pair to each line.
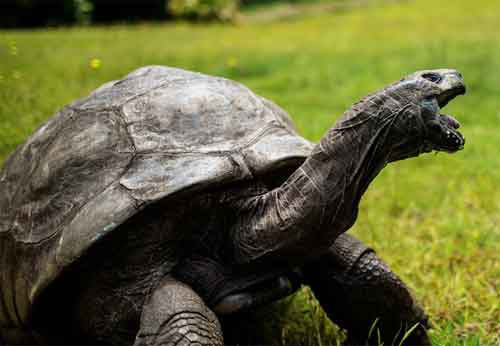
174, 174
175, 315
356, 289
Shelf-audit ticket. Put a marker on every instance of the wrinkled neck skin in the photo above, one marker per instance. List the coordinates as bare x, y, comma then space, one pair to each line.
301, 219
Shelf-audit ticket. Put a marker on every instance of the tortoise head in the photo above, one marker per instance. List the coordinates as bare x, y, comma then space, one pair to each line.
419, 126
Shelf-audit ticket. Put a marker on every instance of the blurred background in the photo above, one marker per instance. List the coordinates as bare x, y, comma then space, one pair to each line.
35, 13
434, 219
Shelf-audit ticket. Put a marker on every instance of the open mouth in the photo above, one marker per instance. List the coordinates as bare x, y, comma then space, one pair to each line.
449, 95
443, 132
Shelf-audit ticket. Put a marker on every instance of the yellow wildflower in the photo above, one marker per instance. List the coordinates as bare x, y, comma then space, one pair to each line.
95, 63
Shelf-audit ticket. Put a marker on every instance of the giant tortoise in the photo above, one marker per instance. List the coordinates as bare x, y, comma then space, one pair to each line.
141, 214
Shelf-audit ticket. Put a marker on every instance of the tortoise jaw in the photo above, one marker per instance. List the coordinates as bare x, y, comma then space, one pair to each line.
451, 140
443, 134
446, 96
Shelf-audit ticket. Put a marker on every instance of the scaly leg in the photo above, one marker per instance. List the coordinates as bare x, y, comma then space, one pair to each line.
176, 315
356, 288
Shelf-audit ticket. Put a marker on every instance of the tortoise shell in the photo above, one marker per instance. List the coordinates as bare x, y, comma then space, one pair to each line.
157, 133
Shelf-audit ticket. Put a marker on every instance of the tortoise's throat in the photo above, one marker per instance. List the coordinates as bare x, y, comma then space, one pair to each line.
302, 218
340, 176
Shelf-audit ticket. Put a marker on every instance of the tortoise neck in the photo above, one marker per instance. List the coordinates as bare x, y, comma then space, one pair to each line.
330, 183
320, 200
342, 166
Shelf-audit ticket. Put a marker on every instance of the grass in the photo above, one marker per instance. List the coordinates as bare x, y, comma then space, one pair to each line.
434, 219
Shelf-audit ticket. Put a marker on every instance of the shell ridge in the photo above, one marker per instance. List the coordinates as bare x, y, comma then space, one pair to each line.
255, 138
119, 114
160, 86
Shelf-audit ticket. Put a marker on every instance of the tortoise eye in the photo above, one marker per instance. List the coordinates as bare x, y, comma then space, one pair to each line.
432, 77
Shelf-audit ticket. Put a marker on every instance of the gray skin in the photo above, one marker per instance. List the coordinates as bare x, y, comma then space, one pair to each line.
146, 211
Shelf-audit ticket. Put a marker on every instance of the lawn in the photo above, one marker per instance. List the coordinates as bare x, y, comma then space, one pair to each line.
435, 219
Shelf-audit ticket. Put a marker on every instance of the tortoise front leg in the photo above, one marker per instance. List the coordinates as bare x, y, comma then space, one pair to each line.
176, 315
356, 288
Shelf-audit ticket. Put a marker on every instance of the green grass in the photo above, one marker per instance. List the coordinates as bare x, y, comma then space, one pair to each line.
434, 219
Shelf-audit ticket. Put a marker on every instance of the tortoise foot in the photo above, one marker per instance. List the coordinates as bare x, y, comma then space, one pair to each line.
360, 293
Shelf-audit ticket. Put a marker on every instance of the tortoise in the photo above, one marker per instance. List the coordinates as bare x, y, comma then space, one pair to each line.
145, 212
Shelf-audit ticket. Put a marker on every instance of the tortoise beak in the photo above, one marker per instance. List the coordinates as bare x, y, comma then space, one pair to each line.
451, 86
